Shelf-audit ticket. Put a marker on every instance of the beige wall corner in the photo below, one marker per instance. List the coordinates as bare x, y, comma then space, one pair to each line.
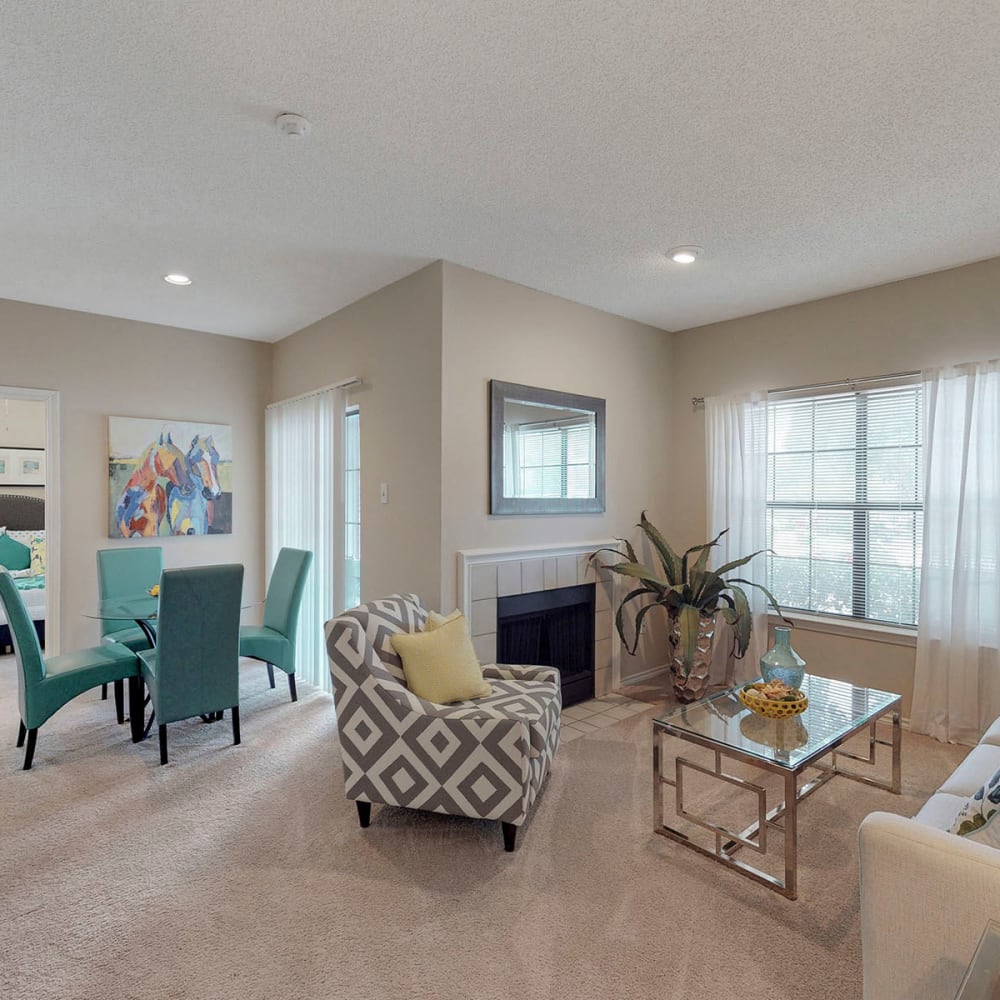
392, 340
495, 329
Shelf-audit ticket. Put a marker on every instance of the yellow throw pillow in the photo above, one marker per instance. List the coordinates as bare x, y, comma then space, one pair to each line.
37, 556
435, 620
441, 665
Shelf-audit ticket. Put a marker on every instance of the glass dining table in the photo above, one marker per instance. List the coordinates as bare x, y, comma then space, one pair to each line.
143, 610
139, 608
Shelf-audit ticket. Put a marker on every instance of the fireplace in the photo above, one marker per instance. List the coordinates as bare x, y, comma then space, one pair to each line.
553, 628
488, 576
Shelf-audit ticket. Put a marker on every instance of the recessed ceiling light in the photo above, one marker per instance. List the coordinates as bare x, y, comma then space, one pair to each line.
177, 279
685, 255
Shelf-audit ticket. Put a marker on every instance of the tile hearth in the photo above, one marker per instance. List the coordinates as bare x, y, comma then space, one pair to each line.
599, 713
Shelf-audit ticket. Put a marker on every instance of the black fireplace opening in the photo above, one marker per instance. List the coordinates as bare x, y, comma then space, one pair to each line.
552, 628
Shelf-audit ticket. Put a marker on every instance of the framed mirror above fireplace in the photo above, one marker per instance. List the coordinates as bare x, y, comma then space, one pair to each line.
546, 451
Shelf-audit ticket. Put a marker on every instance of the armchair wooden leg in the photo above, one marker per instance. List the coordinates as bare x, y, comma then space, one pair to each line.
163, 743
291, 687
120, 701
270, 674
21, 731
29, 751
509, 836
364, 811
236, 725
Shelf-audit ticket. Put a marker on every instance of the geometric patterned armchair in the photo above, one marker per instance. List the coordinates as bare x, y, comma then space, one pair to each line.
485, 758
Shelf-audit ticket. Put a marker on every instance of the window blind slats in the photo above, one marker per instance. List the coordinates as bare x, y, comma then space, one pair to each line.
844, 501
555, 460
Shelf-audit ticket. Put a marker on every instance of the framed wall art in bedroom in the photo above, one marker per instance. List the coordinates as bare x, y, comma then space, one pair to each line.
22, 466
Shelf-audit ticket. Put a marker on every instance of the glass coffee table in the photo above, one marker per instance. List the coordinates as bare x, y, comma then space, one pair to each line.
837, 711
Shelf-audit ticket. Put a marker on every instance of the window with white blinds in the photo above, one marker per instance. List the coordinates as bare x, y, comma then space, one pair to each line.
556, 459
845, 500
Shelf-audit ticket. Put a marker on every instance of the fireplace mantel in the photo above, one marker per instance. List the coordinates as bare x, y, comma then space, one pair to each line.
486, 574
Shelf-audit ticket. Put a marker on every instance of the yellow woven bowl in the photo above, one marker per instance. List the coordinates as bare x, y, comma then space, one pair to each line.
773, 709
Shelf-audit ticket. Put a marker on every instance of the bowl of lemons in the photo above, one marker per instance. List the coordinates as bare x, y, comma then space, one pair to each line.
773, 699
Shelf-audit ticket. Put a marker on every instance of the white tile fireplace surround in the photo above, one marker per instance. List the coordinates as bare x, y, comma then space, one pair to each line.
487, 574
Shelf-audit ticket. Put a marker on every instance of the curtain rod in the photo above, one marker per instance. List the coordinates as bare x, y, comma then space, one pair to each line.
344, 383
845, 381
698, 402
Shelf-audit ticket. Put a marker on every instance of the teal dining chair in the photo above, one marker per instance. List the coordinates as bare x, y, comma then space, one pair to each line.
44, 685
194, 669
274, 641
123, 573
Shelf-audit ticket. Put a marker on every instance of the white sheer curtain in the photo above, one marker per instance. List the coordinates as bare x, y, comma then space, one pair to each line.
736, 438
305, 510
956, 692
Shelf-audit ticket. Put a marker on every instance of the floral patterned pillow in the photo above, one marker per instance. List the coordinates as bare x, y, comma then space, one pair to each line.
979, 810
38, 555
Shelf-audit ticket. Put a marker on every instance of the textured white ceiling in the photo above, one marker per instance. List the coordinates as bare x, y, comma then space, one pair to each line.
811, 147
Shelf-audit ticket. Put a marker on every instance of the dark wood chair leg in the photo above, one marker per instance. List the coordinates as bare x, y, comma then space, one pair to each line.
21, 731
104, 692
136, 708
236, 725
364, 809
163, 743
29, 752
291, 687
270, 674
509, 836
120, 701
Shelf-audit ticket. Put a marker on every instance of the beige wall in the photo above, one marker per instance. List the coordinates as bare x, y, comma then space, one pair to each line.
103, 366
22, 425
951, 316
496, 329
22, 422
392, 340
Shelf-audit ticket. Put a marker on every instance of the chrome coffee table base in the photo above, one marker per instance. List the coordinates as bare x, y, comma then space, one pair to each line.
704, 726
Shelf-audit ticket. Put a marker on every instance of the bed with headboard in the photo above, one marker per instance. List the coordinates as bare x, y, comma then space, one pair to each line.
23, 519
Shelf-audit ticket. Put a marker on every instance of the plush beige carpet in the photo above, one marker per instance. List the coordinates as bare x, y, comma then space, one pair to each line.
241, 872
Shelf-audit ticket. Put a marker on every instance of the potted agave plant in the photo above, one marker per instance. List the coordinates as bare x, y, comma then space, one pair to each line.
692, 594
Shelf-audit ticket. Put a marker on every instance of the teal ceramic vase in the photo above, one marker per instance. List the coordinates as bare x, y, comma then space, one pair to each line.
781, 662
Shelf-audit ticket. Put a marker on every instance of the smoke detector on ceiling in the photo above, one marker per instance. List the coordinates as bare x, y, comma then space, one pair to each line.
292, 124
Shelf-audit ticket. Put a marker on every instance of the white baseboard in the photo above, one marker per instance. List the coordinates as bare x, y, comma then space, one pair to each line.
645, 675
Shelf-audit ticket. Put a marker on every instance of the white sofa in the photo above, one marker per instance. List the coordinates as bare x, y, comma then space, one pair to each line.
927, 894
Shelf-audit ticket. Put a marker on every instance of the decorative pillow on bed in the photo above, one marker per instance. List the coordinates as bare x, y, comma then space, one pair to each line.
13, 554
979, 810
38, 555
24, 536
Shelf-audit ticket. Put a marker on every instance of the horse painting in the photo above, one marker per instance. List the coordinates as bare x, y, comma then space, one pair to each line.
190, 508
143, 502
169, 477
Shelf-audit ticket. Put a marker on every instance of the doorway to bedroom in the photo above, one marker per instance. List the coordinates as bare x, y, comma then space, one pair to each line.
29, 547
